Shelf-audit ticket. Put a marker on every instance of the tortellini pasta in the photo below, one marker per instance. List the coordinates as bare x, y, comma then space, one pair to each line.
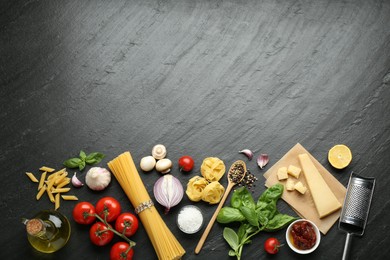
195, 187
213, 192
212, 169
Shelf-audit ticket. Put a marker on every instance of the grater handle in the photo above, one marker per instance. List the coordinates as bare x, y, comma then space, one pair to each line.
347, 246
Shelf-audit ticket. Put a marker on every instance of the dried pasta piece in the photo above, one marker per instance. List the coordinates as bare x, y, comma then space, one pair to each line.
65, 182
69, 197
213, 192
42, 180
32, 177
46, 169
60, 190
57, 201
50, 194
212, 169
41, 191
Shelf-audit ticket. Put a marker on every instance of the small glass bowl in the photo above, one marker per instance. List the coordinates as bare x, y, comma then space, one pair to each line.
190, 219
291, 244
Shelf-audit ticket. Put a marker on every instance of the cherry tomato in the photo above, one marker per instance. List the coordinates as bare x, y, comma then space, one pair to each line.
108, 206
127, 224
83, 213
100, 235
272, 245
121, 251
186, 163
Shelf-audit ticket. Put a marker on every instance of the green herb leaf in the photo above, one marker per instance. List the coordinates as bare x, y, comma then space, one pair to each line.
82, 155
93, 158
231, 238
242, 196
229, 214
81, 165
250, 215
232, 253
279, 221
72, 162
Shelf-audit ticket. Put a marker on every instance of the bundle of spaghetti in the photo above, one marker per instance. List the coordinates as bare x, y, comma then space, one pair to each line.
164, 242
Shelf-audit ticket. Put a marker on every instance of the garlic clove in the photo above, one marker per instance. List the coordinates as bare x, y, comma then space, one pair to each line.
76, 182
159, 151
147, 163
248, 153
164, 165
262, 160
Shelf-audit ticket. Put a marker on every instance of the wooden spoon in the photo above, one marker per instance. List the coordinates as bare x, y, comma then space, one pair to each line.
236, 173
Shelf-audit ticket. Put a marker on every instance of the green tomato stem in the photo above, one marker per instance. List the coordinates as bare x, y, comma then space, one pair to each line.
131, 243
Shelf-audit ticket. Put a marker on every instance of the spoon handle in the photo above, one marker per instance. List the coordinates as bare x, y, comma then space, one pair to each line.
213, 218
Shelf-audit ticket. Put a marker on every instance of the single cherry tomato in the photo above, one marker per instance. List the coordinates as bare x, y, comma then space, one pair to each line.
127, 224
121, 251
84, 213
109, 208
186, 163
272, 245
100, 235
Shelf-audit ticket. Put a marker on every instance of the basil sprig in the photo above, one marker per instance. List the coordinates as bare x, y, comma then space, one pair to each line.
254, 217
84, 159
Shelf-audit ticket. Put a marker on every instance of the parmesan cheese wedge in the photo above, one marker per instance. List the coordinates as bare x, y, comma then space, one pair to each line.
324, 199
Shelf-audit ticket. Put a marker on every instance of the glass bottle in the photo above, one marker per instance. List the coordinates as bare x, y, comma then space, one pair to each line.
47, 231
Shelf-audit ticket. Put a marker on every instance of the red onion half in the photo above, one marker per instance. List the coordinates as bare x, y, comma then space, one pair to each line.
168, 191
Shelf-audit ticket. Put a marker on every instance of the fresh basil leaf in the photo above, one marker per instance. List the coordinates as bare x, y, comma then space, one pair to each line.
250, 215
232, 252
266, 210
82, 155
93, 158
81, 165
72, 162
242, 197
279, 221
229, 214
231, 238
272, 194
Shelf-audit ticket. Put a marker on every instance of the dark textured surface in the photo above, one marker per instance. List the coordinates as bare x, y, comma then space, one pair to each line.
205, 78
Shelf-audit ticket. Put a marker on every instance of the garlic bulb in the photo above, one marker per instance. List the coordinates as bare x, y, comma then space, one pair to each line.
159, 151
97, 178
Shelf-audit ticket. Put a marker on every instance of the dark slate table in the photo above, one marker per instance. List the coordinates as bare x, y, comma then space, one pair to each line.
204, 78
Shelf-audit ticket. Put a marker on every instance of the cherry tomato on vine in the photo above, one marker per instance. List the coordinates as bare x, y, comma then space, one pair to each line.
83, 213
272, 245
186, 163
126, 224
110, 207
100, 235
121, 251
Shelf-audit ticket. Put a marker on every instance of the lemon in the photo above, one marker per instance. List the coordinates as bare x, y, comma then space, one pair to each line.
340, 156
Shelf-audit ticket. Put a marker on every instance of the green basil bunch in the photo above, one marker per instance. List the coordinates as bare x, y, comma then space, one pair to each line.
254, 216
83, 159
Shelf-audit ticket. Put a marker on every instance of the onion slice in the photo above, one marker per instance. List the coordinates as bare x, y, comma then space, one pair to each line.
168, 191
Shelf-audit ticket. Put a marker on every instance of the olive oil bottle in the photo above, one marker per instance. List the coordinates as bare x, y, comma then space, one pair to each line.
48, 231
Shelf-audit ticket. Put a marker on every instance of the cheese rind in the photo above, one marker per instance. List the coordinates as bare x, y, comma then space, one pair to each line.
282, 173
324, 199
294, 171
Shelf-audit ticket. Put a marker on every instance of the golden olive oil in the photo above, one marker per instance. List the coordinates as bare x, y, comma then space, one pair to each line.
48, 231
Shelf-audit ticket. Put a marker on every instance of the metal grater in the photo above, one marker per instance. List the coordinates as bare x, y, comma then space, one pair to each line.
354, 213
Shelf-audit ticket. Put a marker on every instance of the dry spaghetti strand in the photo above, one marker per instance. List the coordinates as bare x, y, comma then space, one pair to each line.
164, 242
